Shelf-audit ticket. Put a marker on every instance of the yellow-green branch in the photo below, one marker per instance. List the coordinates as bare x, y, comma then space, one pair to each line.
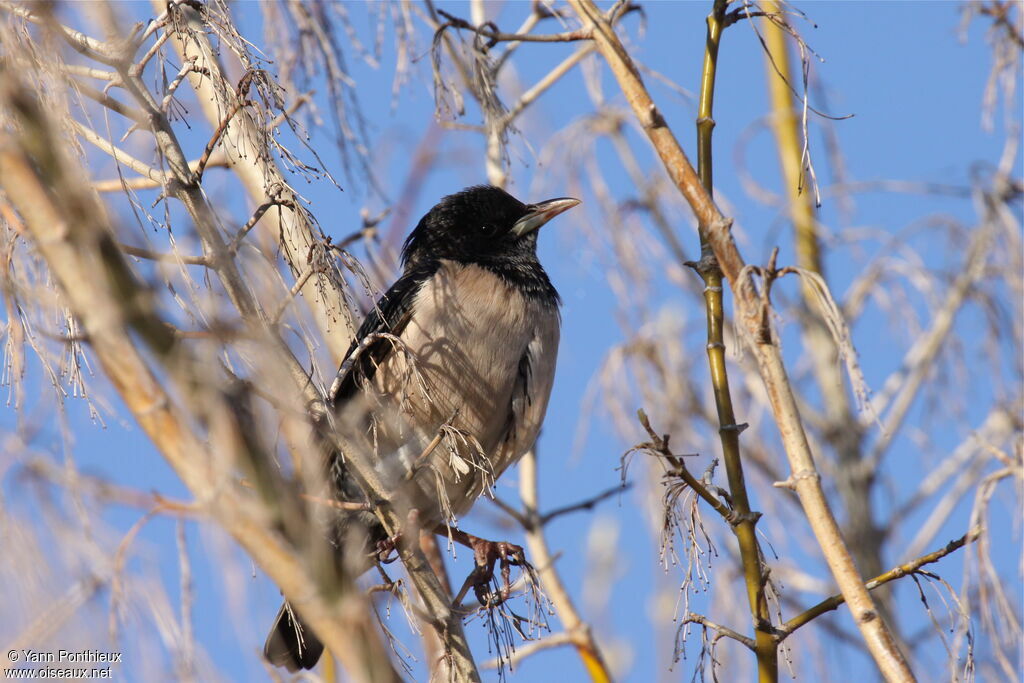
729, 431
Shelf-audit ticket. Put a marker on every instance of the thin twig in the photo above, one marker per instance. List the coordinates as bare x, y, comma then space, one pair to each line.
292, 293
139, 252
496, 37
119, 154
217, 160
215, 138
91, 72
86, 45
659, 445
179, 78
902, 570
587, 504
236, 241
139, 66
297, 103
541, 86
109, 102
529, 649
693, 618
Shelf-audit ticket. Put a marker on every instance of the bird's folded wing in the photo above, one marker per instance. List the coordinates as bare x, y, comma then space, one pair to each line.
370, 348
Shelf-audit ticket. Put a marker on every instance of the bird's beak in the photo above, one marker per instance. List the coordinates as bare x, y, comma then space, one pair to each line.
541, 213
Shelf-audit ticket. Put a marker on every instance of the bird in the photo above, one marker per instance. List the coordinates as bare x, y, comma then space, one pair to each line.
448, 378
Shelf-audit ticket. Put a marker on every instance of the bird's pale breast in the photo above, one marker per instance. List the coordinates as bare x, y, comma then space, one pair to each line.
480, 356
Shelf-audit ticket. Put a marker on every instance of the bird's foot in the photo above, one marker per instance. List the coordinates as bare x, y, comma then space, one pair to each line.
384, 549
487, 554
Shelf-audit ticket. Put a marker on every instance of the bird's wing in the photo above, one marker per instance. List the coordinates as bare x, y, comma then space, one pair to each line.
532, 389
367, 352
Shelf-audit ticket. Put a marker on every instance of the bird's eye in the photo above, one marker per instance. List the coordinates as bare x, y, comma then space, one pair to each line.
488, 229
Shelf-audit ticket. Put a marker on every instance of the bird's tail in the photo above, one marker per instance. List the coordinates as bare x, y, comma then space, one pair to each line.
291, 643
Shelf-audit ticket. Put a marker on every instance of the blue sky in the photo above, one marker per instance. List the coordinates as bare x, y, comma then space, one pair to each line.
914, 89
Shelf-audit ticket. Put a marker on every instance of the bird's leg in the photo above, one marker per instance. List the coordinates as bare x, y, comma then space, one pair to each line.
485, 555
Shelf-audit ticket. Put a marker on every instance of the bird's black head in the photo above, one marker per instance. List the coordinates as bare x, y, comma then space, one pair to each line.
488, 227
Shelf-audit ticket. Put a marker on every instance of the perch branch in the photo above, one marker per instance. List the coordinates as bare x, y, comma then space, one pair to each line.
71, 235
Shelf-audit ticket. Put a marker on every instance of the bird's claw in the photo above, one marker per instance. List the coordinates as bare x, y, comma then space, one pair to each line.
382, 553
486, 554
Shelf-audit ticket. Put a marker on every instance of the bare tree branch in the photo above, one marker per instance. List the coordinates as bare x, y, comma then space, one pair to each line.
902, 570
808, 486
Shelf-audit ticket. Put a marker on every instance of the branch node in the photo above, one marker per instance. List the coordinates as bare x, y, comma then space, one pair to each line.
738, 428
735, 518
796, 477
654, 119
705, 266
